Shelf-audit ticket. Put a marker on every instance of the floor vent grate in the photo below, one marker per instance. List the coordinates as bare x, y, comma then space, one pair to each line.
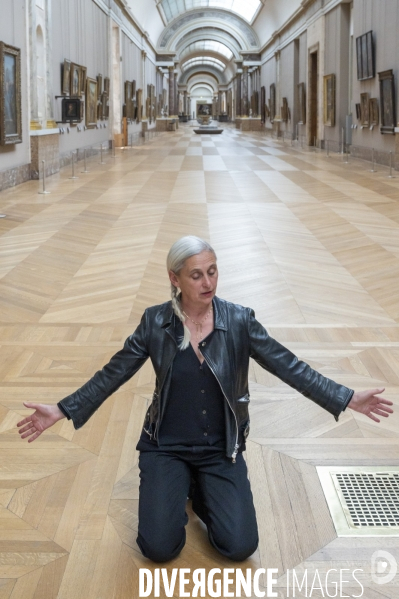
363, 501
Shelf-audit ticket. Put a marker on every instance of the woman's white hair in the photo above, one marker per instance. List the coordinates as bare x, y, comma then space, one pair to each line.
181, 250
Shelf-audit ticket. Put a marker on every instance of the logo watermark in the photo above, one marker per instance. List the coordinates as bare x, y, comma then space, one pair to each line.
383, 567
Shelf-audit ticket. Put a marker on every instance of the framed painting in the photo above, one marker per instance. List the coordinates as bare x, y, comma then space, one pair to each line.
329, 100
365, 56
83, 75
272, 102
373, 111
10, 95
75, 78
302, 103
99, 86
267, 110
66, 77
284, 110
104, 105
364, 110
387, 101
71, 110
106, 86
263, 104
91, 102
128, 92
139, 105
358, 112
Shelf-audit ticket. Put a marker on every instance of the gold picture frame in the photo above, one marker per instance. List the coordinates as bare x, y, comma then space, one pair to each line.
75, 80
387, 101
106, 86
83, 75
10, 95
272, 102
329, 100
66, 77
302, 103
91, 102
99, 86
284, 110
364, 110
374, 111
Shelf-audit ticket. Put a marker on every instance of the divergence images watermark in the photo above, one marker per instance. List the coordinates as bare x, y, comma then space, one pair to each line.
234, 582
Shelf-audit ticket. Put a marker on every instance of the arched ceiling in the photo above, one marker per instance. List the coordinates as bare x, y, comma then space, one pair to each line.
203, 47
208, 36
209, 33
237, 27
246, 9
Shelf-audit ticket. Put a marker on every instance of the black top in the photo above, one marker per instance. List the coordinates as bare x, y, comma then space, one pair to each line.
194, 414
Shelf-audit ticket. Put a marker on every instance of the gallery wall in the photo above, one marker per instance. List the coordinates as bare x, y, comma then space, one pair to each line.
13, 31
333, 27
80, 31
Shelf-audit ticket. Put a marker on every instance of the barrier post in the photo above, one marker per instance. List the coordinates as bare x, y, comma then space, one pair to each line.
85, 163
73, 167
373, 169
44, 179
391, 176
101, 161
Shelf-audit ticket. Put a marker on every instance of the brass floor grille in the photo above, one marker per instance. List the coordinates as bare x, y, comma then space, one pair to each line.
363, 501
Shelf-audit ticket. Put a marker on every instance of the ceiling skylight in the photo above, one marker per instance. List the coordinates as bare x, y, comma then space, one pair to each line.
245, 8
210, 62
210, 45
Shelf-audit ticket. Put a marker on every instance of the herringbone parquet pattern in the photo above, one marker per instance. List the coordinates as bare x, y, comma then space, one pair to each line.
310, 243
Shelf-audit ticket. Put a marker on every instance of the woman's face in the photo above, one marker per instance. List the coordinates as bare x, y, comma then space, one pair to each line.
197, 279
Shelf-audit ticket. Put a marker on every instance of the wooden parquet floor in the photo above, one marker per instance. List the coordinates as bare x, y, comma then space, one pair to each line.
310, 243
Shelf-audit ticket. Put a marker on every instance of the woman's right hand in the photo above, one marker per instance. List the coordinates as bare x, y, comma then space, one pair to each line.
42, 418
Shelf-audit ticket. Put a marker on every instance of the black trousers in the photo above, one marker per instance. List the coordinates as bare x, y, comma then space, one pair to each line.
222, 499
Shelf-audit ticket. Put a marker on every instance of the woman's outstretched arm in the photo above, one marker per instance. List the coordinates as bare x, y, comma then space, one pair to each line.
42, 418
81, 405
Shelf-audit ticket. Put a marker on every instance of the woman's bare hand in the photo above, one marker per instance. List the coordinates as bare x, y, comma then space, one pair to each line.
368, 403
44, 416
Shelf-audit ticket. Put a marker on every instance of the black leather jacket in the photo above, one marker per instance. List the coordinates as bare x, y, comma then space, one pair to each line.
238, 336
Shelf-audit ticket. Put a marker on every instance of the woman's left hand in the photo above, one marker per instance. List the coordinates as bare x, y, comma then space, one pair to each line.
368, 403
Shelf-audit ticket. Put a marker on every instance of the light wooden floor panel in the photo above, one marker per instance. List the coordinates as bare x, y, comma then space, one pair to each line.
311, 243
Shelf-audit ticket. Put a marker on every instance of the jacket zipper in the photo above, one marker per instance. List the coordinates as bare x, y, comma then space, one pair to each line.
236, 446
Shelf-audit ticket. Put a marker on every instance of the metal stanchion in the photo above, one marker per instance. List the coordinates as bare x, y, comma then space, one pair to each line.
343, 140
44, 179
373, 169
391, 176
297, 132
73, 167
101, 148
85, 165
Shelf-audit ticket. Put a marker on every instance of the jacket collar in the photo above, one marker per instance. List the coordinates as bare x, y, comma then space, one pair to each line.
166, 313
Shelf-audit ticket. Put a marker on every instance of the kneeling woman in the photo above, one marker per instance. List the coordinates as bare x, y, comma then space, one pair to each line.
195, 429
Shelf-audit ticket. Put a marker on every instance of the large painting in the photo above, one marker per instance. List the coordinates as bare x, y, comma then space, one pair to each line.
10, 95
364, 109
329, 100
272, 102
91, 102
365, 56
373, 111
76, 80
302, 103
387, 101
66, 77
